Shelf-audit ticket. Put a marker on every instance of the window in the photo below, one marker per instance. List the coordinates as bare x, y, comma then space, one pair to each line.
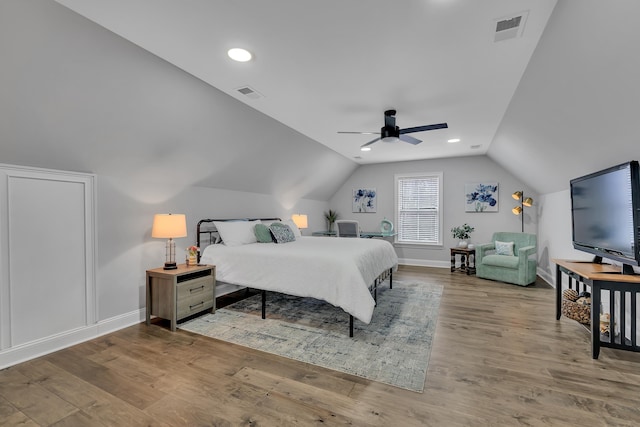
418, 208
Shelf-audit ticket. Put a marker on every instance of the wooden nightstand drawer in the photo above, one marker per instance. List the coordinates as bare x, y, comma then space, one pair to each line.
194, 296
200, 286
194, 304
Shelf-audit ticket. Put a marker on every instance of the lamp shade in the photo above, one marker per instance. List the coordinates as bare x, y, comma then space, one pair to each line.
528, 202
517, 210
517, 195
300, 220
169, 226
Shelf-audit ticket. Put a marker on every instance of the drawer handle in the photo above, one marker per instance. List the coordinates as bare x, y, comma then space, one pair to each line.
191, 307
198, 289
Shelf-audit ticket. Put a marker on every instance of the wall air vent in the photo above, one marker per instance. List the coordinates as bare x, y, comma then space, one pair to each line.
249, 92
509, 27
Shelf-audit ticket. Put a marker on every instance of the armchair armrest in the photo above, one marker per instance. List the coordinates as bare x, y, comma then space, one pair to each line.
481, 250
523, 254
526, 251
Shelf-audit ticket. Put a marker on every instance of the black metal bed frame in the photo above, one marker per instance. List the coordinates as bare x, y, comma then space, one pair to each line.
372, 288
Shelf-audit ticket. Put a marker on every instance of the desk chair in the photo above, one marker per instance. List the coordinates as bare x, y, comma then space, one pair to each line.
348, 228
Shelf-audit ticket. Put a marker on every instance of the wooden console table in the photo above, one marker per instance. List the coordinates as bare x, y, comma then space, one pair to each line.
607, 278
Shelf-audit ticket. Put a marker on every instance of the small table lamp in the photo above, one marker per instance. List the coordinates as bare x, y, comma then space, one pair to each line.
300, 221
169, 226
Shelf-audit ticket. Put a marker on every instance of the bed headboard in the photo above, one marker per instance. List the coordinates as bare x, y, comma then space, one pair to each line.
206, 227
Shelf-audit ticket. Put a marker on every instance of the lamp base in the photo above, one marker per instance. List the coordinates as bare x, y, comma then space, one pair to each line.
170, 266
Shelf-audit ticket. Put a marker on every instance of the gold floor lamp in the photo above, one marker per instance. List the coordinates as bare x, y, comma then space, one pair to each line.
524, 201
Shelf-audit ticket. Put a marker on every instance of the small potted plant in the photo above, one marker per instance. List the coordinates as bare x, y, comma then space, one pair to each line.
462, 232
331, 217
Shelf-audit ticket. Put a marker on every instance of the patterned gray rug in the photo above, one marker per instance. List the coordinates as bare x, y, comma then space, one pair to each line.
393, 349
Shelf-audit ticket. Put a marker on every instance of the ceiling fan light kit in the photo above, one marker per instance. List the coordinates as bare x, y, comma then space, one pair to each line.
392, 133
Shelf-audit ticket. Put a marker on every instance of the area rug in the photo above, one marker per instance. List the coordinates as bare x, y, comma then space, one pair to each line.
393, 349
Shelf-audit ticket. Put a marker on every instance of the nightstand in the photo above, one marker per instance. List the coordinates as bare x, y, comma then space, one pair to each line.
176, 294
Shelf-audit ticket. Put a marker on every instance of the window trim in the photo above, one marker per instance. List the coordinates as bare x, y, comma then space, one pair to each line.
418, 175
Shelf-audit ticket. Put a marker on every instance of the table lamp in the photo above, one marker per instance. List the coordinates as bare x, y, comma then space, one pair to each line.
300, 221
169, 226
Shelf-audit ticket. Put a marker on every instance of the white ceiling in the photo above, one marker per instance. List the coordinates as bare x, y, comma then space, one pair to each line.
335, 65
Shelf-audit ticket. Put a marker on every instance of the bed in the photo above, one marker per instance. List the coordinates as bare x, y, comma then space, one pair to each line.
341, 271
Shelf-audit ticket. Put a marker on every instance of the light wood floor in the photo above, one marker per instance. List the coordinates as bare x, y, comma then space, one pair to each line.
499, 358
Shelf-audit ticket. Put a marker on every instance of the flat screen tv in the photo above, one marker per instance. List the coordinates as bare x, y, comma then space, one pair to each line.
605, 216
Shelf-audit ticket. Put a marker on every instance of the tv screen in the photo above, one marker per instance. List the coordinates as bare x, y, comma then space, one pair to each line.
604, 207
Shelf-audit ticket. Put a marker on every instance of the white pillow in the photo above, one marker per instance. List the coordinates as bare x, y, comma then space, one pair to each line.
504, 248
292, 225
236, 233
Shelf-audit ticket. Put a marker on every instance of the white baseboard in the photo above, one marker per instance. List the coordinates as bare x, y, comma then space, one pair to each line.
544, 275
18, 354
424, 263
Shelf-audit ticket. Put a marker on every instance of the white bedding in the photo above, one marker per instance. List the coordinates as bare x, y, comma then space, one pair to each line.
336, 270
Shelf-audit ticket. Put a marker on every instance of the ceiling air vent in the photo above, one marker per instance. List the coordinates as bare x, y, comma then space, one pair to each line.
249, 92
509, 27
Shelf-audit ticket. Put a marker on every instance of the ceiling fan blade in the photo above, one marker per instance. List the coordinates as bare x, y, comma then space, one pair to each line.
361, 133
370, 142
423, 128
410, 139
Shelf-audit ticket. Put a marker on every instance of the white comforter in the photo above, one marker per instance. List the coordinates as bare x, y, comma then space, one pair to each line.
336, 270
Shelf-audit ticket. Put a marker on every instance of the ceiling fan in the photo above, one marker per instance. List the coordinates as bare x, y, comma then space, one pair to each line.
392, 133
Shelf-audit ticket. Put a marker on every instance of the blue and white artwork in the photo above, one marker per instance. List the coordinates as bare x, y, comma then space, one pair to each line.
481, 197
364, 200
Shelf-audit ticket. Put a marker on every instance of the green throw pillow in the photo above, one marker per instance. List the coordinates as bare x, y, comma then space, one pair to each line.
263, 235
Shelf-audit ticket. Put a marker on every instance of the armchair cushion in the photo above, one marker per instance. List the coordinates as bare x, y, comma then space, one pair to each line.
501, 261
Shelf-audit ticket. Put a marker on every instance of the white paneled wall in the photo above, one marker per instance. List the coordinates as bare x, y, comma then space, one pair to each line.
47, 284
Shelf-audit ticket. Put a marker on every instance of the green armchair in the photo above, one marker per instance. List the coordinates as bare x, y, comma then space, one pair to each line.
496, 263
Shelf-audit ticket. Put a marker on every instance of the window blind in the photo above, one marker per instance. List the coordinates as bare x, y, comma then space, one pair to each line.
418, 209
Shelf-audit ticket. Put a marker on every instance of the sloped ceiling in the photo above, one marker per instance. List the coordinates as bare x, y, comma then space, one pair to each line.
74, 96
577, 107
560, 102
335, 65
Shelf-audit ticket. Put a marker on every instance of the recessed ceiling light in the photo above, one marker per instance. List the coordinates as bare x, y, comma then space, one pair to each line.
240, 55
454, 140
365, 148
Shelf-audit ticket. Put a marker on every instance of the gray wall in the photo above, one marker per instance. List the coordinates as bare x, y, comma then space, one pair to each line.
74, 96
456, 173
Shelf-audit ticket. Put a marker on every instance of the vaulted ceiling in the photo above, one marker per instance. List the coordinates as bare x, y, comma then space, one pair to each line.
321, 67
558, 100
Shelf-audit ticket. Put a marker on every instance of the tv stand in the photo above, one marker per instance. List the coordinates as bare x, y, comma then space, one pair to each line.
603, 278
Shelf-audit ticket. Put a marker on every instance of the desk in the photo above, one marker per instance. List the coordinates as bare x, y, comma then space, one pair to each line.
603, 278
324, 233
466, 263
363, 234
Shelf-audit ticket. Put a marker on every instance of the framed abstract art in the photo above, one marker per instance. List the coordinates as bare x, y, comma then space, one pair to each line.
364, 200
481, 197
